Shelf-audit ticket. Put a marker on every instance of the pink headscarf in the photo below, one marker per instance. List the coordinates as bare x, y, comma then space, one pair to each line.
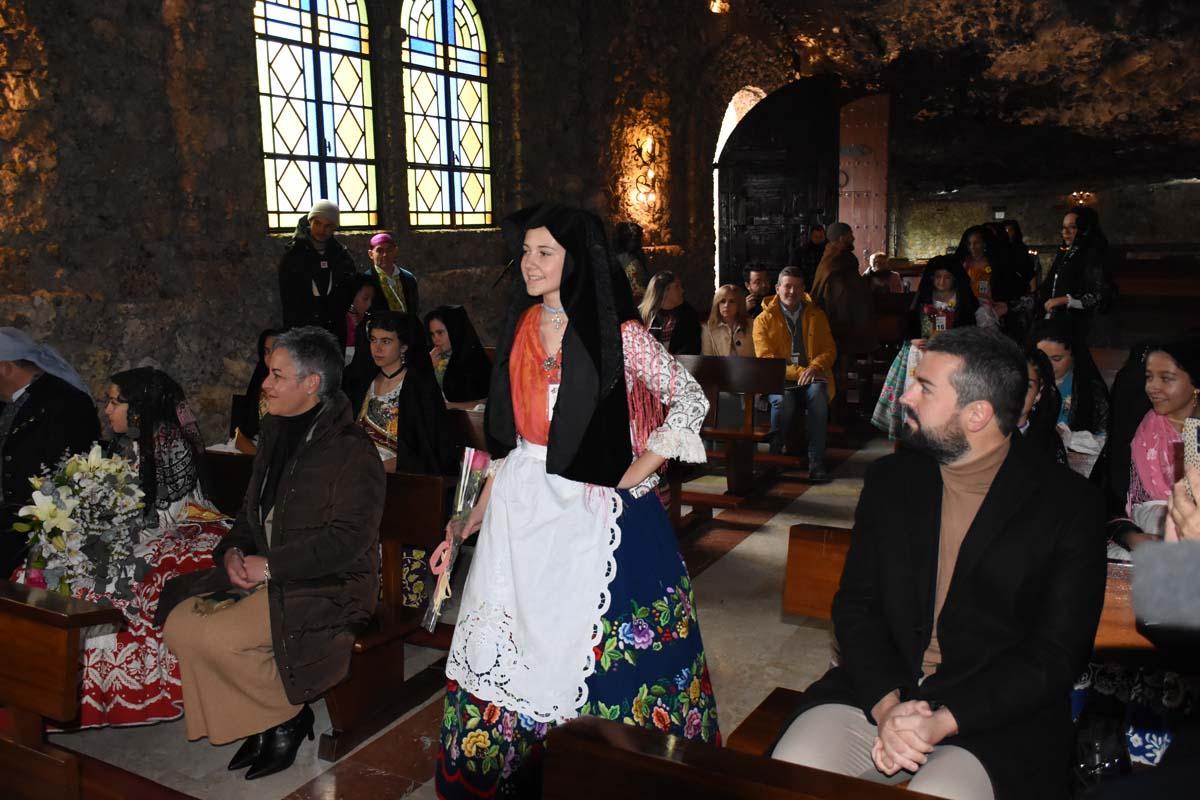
1153, 456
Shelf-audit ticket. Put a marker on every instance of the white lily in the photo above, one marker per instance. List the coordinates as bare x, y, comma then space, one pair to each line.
46, 511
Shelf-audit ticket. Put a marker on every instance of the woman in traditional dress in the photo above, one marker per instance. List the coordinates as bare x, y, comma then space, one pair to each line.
156, 430
130, 677
577, 602
944, 300
1085, 403
460, 364
403, 411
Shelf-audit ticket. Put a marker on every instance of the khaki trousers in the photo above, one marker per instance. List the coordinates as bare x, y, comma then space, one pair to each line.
838, 738
231, 685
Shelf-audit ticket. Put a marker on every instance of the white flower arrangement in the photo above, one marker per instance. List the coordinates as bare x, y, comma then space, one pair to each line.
83, 519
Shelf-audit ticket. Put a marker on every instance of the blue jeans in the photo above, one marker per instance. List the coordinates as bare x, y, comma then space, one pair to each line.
815, 400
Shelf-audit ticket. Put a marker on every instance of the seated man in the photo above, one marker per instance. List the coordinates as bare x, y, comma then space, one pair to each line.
791, 327
758, 285
47, 412
298, 574
969, 600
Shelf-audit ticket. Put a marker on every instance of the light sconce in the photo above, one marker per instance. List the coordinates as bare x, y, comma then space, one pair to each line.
646, 182
1082, 198
719, 6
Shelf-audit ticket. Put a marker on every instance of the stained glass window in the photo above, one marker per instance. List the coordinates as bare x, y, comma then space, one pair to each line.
446, 114
318, 132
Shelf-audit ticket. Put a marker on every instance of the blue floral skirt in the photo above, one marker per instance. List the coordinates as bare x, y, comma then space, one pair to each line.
650, 671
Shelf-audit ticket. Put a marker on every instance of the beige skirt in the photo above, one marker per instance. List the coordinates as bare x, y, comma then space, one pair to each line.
231, 684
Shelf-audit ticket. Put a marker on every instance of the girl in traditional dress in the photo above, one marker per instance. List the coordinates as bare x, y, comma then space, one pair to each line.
577, 602
944, 300
403, 411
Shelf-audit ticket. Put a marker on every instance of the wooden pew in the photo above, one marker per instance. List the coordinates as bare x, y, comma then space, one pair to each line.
39, 680
375, 693
816, 555
636, 762
747, 377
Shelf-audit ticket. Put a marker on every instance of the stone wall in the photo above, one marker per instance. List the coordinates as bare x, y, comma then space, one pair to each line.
131, 201
1160, 215
131, 196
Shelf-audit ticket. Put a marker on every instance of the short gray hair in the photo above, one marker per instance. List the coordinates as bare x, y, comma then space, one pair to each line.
316, 352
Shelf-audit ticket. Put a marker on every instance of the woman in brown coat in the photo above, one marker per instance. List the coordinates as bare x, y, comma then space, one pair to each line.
271, 628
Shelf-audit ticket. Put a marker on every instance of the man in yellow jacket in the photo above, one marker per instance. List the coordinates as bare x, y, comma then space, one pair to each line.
793, 328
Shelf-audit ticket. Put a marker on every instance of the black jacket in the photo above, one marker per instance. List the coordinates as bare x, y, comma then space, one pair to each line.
324, 553
54, 418
300, 269
686, 337
1084, 273
1017, 626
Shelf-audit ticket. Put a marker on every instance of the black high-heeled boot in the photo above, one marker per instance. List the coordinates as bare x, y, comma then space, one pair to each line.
281, 744
249, 751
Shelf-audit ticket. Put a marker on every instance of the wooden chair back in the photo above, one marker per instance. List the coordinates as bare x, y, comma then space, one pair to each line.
736, 375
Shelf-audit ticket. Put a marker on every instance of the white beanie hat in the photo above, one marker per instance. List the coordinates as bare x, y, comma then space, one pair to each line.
325, 209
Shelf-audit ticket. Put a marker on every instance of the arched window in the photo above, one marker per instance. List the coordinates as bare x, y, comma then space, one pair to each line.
314, 84
446, 114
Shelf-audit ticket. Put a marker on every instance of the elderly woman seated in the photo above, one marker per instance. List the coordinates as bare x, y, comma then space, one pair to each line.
271, 627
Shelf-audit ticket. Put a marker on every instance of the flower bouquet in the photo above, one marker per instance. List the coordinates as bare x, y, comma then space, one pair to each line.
471, 477
83, 520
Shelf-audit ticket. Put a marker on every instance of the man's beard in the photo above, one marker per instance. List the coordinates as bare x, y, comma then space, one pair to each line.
946, 444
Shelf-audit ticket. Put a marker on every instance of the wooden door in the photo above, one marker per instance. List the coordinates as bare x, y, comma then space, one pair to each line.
862, 192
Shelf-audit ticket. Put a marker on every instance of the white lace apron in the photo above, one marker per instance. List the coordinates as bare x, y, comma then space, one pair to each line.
538, 587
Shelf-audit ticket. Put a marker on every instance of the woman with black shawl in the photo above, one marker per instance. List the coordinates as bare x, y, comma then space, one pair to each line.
1039, 418
403, 412
1084, 394
156, 429
460, 364
577, 602
248, 414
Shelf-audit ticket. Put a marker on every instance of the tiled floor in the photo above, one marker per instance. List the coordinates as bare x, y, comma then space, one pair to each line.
737, 563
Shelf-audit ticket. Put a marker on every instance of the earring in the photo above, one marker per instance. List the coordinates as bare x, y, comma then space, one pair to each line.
133, 424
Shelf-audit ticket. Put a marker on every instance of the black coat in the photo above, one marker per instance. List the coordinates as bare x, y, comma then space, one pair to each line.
324, 554
55, 418
1086, 274
300, 269
1017, 626
424, 445
686, 337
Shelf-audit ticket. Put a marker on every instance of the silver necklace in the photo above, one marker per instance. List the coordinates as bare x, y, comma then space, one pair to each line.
556, 315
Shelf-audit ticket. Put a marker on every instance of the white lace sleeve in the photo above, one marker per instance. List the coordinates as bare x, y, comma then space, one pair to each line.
647, 361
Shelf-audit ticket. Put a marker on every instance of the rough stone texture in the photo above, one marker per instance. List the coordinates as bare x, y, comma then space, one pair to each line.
131, 189
1132, 215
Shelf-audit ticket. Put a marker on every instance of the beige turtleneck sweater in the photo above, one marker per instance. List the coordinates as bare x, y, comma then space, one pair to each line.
963, 490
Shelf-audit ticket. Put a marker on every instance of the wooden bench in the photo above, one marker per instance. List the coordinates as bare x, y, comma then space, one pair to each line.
39, 680
636, 762
375, 692
817, 554
746, 377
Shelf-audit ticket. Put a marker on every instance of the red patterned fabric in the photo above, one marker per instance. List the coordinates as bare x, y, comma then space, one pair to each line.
137, 681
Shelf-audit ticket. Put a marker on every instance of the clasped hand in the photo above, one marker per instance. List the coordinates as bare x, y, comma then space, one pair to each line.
245, 572
906, 736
